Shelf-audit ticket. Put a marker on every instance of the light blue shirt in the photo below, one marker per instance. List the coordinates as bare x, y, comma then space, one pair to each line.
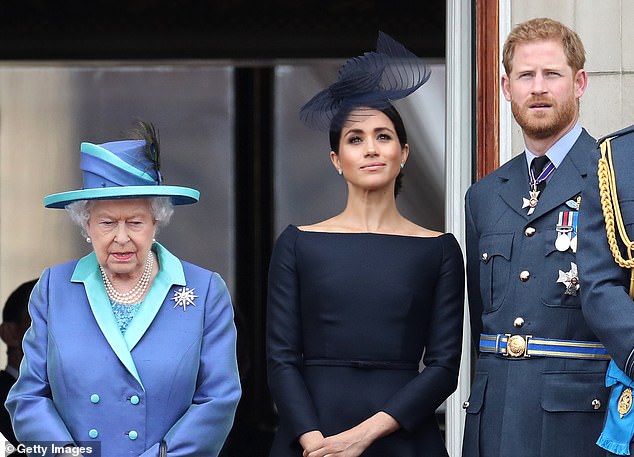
557, 151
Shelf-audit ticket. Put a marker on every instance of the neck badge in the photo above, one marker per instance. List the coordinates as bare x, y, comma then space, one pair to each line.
533, 193
530, 203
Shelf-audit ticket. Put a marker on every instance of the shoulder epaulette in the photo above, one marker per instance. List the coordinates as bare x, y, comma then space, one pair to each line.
621, 132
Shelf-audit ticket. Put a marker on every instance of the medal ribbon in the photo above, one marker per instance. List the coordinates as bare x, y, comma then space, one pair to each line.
543, 176
568, 221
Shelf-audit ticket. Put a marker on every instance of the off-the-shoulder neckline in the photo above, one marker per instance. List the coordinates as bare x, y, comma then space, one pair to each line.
295, 227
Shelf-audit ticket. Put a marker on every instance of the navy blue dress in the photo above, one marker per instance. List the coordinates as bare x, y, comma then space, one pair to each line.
350, 316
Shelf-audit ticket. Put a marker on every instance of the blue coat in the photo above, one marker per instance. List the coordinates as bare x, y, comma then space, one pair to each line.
172, 376
605, 292
538, 406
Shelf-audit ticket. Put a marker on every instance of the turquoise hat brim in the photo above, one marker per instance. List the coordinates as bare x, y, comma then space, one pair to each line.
179, 195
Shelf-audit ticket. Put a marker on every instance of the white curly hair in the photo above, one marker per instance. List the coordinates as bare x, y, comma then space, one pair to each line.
161, 207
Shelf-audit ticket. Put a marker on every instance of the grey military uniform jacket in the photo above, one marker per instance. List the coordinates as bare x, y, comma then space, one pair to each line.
537, 406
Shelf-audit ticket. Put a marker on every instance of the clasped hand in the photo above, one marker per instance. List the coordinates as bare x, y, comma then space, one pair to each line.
350, 443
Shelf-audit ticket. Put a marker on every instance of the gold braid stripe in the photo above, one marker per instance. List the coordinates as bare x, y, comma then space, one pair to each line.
612, 211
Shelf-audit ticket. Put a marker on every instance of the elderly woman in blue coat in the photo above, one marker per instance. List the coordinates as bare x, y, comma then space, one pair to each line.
130, 348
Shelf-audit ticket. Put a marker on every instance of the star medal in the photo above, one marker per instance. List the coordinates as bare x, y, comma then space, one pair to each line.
570, 279
532, 202
184, 297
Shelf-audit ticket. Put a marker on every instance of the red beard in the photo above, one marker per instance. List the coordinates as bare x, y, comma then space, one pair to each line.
541, 125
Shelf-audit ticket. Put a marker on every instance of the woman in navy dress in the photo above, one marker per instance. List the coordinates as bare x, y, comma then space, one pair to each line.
358, 301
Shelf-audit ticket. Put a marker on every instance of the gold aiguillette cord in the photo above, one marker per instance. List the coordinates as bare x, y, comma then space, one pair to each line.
612, 211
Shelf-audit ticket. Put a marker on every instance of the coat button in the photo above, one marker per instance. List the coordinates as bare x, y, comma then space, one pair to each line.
530, 231
596, 403
94, 398
484, 257
465, 405
93, 433
524, 275
133, 435
134, 400
518, 322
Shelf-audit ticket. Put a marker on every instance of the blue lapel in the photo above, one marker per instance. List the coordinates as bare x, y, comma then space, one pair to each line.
568, 180
170, 273
87, 272
514, 184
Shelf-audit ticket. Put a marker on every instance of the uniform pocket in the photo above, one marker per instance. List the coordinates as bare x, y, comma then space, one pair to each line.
574, 405
495, 268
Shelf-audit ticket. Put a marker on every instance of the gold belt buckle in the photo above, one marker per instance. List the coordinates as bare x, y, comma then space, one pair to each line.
516, 345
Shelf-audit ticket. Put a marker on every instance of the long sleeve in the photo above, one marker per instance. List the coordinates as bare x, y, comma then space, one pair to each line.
173, 376
203, 428
606, 304
29, 402
284, 340
473, 273
419, 399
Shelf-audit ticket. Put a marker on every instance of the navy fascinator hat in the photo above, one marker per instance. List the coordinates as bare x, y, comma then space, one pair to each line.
372, 80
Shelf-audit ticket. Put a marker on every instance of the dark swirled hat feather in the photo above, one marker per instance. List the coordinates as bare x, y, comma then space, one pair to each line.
372, 80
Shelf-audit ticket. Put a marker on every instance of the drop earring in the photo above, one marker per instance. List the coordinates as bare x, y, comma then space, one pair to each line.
88, 240
402, 165
340, 171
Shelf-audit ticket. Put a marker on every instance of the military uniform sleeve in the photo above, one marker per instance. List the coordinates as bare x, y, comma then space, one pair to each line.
606, 304
473, 272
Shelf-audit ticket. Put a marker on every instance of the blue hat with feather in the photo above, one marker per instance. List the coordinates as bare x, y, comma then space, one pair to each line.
123, 169
372, 80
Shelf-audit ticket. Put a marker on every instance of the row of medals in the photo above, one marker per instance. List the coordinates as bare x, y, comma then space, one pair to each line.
567, 232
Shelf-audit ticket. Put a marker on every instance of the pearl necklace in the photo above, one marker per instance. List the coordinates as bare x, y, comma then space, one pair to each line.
134, 295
